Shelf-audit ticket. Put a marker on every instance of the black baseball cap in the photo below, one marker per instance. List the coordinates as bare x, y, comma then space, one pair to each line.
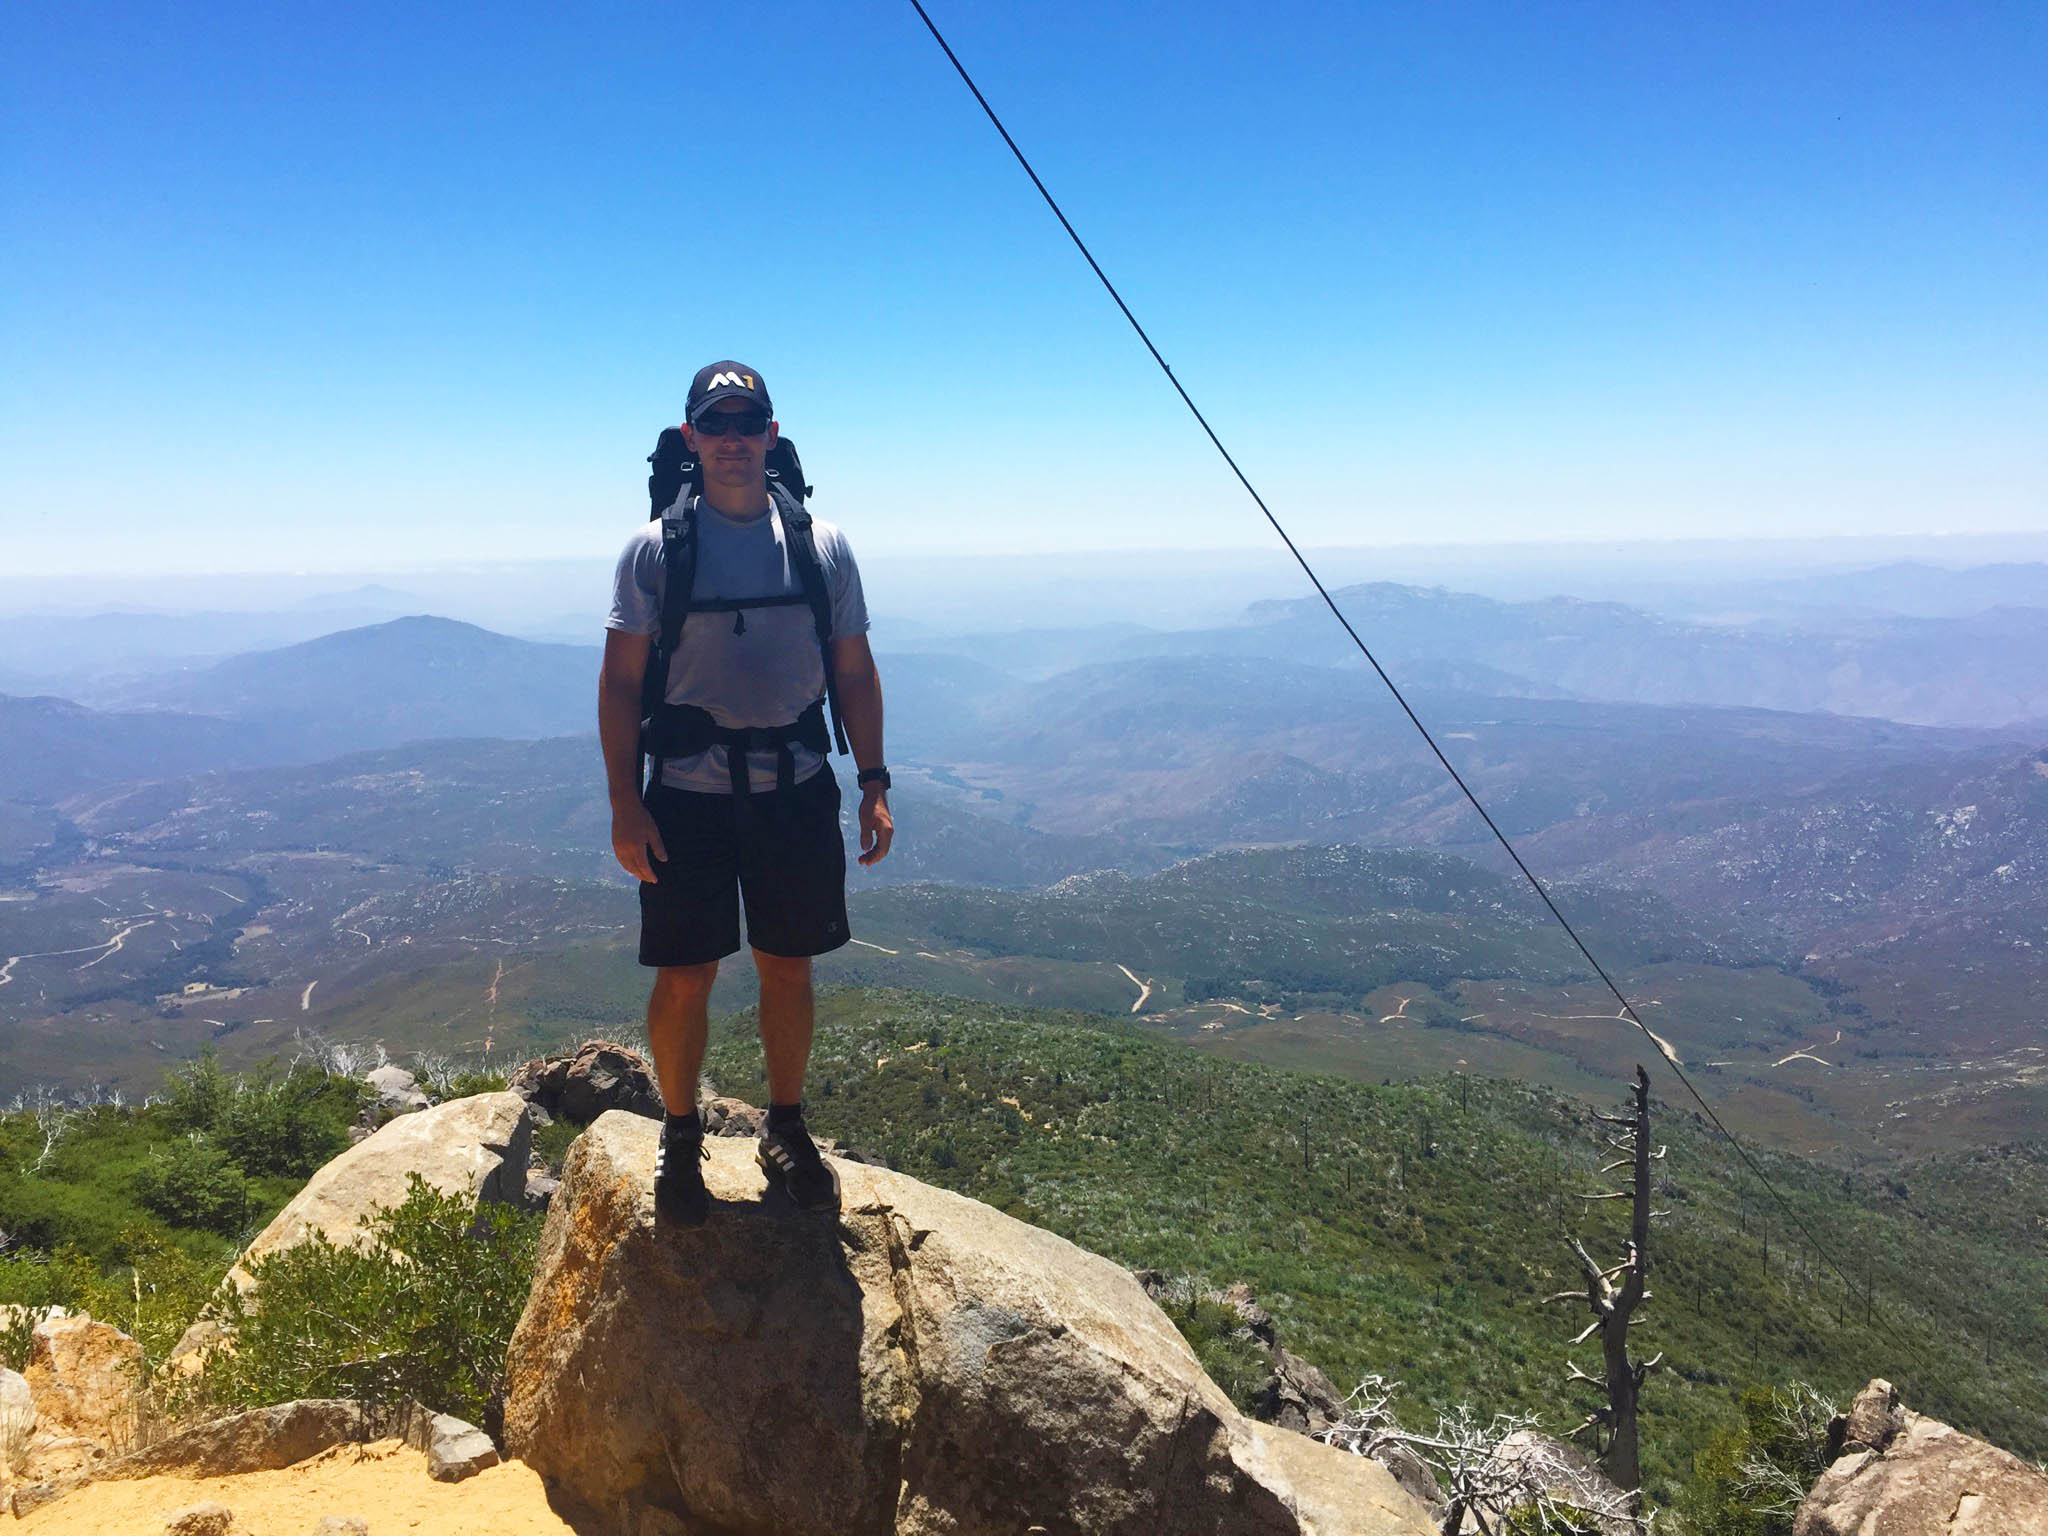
725, 380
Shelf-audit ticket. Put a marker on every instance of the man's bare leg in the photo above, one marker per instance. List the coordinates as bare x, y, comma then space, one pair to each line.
678, 1022
788, 1009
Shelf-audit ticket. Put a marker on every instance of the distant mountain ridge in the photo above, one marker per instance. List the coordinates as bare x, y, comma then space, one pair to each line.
410, 679
1989, 668
51, 748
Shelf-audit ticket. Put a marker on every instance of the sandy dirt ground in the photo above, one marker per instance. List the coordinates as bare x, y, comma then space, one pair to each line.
385, 1484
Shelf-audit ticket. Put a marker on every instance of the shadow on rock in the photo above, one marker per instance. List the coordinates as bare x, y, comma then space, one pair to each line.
920, 1363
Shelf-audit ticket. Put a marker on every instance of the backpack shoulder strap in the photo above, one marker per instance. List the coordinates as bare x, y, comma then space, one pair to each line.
678, 576
803, 556
678, 573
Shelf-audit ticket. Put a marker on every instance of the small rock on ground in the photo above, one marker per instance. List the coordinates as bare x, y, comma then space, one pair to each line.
458, 1450
210, 1518
342, 1525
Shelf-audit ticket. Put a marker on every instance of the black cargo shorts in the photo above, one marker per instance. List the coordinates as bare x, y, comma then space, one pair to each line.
781, 856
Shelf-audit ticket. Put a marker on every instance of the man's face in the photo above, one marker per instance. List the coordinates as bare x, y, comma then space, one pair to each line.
733, 459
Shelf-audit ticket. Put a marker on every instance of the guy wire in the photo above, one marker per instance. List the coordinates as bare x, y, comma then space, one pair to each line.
1627, 1008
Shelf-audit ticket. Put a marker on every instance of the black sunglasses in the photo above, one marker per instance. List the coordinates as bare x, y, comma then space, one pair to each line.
718, 423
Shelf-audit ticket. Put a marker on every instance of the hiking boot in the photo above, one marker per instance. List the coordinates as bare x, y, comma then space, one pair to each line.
680, 1198
789, 1157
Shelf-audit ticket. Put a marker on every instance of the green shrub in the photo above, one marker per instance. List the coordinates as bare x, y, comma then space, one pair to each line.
195, 1095
46, 1214
463, 1085
427, 1310
551, 1142
31, 1279
1235, 1361
289, 1125
1560, 1519
152, 1296
157, 1292
1748, 1480
190, 1182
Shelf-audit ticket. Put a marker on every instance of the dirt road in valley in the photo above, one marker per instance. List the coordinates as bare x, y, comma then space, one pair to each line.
1144, 988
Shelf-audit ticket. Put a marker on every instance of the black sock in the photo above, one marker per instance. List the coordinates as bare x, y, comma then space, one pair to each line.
691, 1124
780, 1115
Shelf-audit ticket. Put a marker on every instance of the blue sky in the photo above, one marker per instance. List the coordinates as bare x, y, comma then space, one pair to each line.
312, 286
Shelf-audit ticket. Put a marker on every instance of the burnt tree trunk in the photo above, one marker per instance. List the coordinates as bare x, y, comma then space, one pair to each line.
1614, 1293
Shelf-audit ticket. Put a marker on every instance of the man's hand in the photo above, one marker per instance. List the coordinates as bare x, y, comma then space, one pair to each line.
877, 826
634, 836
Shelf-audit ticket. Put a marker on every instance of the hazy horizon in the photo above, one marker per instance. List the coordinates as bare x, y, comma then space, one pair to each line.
1259, 565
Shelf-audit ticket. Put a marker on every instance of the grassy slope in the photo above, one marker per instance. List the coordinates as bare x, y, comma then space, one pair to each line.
1427, 1219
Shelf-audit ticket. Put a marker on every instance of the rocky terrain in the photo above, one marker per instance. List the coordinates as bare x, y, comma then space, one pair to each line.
944, 1367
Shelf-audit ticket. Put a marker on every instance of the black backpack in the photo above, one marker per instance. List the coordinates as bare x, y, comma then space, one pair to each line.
678, 473
675, 467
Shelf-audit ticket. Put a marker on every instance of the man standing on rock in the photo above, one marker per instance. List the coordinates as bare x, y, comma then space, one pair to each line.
742, 807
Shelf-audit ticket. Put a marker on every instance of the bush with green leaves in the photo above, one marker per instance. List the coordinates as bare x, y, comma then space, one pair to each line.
195, 1095
551, 1143
289, 1125
425, 1310
190, 1182
31, 1280
1216, 1332
270, 1123
1749, 1480
152, 1295
464, 1085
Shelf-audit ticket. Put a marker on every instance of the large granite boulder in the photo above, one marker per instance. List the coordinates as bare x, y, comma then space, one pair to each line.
602, 1075
84, 1379
918, 1364
476, 1148
1900, 1473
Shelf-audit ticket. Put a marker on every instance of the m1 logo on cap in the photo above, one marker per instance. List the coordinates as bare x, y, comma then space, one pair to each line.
737, 380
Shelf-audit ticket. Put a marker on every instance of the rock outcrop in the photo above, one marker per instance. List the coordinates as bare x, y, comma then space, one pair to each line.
1900, 1473
475, 1147
1296, 1394
602, 1075
83, 1379
919, 1364
264, 1439
397, 1089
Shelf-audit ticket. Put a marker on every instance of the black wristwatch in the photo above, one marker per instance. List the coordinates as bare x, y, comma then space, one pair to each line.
875, 775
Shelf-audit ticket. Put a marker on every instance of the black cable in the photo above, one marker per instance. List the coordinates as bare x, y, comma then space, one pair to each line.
1628, 1010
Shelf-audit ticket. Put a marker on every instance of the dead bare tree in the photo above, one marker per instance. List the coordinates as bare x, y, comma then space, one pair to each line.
1613, 1292
52, 1116
1801, 1415
1483, 1486
337, 1058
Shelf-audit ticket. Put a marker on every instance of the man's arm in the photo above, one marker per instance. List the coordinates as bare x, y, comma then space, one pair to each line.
860, 711
634, 834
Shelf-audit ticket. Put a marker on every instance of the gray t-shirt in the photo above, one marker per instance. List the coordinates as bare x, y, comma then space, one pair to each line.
759, 667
